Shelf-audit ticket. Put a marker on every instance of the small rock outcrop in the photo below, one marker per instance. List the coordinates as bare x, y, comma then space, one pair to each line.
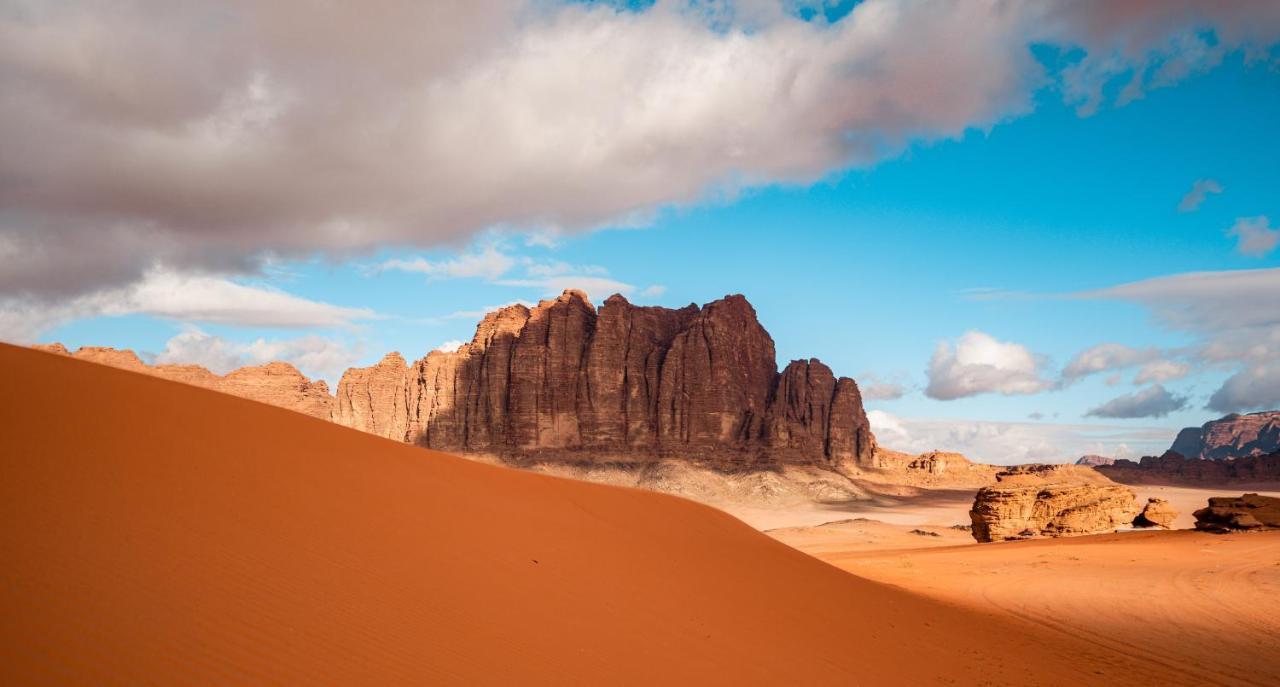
1156, 513
1233, 436
1235, 513
1050, 500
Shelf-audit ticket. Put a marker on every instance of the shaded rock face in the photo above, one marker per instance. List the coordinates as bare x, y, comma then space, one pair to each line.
563, 381
1173, 468
1033, 501
1094, 461
1233, 513
1157, 513
1234, 436
278, 384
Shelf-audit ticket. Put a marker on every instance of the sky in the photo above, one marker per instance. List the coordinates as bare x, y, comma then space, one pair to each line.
1029, 230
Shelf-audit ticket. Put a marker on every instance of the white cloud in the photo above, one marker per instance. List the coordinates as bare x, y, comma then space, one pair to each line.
1254, 236
176, 296
978, 364
1008, 443
315, 356
653, 291
1255, 387
203, 136
1153, 401
1161, 371
875, 388
1233, 316
450, 346
1105, 358
487, 263
1199, 191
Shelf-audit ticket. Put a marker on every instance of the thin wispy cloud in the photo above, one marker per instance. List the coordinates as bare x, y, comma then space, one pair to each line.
1200, 190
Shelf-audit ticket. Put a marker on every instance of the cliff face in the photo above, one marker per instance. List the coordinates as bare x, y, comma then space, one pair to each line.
1234, 436
563, 381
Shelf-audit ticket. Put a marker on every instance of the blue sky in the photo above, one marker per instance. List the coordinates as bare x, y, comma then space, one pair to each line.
1005, 238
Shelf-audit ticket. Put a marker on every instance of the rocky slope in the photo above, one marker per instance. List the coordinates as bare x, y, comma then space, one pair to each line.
1050, 500
276, 383
565, 382
1234, 436
1247, 512
1173, 468
1095, 460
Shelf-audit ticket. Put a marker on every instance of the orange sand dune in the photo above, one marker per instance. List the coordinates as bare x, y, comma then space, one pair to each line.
157, 533
1206, 604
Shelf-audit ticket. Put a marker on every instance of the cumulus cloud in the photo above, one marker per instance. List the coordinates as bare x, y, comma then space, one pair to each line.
1161, 371
1153, 401
315, 356
875, 388
205, 136
176, 296
1200, 190
1254, 387
1254, 236
1105, 358
450, 346
1008, 443
978, 363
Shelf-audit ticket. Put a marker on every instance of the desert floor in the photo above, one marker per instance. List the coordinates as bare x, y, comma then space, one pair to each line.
1207, 606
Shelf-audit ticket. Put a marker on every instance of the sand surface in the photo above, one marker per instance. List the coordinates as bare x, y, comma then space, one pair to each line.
1205, 605
156, 533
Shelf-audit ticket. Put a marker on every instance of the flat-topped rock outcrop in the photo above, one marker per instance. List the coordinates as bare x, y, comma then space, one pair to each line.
1236, 513
1050, 500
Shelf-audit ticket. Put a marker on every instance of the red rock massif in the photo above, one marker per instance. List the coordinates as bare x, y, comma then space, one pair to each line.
1173, 468
1233, 436
565, 382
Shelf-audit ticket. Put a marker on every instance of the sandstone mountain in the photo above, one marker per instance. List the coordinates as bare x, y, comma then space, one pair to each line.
1174, 468
624, 384
1095, 460
1234, 436
1050, 500
276, 383
565, 382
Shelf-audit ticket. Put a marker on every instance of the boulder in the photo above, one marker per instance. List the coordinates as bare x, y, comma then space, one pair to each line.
1234, 513
1157, 513
1054, 501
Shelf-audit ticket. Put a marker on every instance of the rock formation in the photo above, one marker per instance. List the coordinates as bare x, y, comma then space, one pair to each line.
1157, 513
563, 381
1231, 513
1173, 468
932, 469
1050, 500
1095, 461
1234, 436
276, 383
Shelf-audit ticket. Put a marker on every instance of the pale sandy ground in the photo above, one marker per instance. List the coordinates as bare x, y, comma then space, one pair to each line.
157, 533
1207, 606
